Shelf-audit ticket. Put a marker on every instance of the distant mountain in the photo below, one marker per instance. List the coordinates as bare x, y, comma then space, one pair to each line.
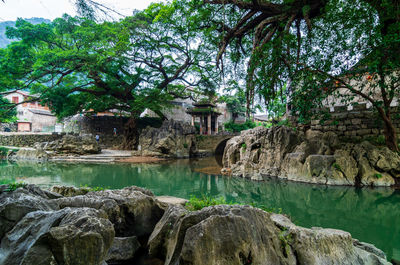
4, 41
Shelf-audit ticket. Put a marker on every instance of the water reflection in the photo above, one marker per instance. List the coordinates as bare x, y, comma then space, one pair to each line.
370, 215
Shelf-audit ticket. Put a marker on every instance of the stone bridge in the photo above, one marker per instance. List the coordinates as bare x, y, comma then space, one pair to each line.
212, 144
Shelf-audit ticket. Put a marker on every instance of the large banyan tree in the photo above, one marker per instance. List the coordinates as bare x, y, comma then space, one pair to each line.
348, 50
76, 65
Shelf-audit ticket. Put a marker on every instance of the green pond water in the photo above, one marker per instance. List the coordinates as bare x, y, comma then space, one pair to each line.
370, 215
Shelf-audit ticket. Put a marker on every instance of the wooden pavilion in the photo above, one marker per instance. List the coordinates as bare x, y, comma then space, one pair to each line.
208, 115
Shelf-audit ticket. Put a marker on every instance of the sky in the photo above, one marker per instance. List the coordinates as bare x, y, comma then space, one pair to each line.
50, 9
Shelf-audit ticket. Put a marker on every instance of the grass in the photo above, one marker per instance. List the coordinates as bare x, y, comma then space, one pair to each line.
196, 204
336, 166
97, 188
12, 185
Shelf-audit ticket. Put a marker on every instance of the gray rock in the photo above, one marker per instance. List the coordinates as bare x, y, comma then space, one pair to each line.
172, 140
71, 144
123, 248
83, 236
29, 154
313, 157
239, 235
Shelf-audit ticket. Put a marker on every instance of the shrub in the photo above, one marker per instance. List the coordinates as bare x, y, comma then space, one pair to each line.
12, 185
196, 204
336, 166
234, 127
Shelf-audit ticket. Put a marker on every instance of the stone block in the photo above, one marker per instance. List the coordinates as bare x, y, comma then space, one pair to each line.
356, 121
363, 132
315, 122
342, 128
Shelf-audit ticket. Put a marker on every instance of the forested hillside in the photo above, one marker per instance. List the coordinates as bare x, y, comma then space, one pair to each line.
4, 41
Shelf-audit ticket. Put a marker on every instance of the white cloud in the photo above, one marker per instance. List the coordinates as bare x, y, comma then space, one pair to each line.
50, 9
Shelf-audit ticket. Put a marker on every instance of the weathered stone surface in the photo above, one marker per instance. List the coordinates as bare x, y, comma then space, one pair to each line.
313, 157
81, 230
28, 154
123, 248
43, 227
172, 140
83, 237
245, 235
71, 144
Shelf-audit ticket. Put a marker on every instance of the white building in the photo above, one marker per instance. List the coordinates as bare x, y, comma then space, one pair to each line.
32, 117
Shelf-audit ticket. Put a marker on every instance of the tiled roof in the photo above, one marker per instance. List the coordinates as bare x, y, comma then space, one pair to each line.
41, 112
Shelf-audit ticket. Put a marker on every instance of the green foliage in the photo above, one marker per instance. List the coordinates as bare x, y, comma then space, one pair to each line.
4, 151
12, 185
196, 204
96, 188
285, 237
185, 145
234, 127
244, 146
7, 111
336, 166
377, 175
376, 140
141, 62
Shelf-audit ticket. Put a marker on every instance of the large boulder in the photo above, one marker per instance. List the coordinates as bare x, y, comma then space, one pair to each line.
239, 235
71, 144
312, 157
172, 140
35, 155
44, 227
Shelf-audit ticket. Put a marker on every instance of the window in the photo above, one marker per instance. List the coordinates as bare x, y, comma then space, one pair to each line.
15, 100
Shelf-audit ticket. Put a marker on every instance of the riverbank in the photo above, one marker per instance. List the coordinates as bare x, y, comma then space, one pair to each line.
310, 157
164, 233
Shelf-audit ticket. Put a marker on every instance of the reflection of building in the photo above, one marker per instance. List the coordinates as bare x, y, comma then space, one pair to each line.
32, 117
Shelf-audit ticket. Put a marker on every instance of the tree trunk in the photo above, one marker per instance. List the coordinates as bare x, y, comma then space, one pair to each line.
131, 134
391, 136
390, 130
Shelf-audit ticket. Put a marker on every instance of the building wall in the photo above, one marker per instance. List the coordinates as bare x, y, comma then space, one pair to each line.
39, 122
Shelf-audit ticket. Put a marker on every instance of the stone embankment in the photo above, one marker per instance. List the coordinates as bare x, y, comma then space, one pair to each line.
74, 226
70, 145
312, 157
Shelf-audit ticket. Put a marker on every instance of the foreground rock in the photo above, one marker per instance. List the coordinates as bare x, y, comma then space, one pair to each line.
118, 227
42, 227
239, 235
309, 157
172, 140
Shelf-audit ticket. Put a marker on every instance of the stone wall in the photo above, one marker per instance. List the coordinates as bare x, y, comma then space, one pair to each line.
27, 139
357, 123
8, 127
102, 125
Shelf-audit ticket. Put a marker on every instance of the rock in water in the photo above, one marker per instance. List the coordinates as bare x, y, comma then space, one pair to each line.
172, 140
312, 157
71, 144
